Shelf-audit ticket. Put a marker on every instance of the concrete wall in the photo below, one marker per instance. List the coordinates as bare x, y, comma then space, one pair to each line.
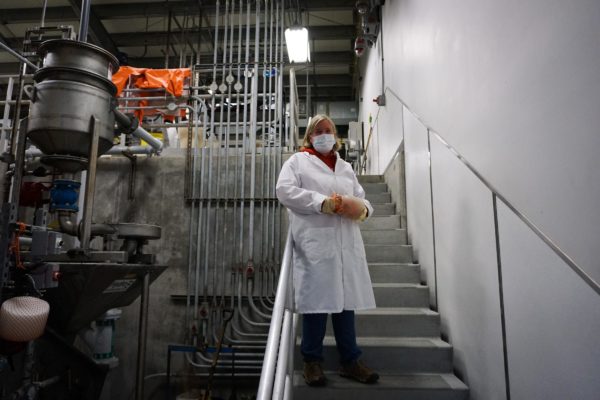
394, 177
159, 199
513, 87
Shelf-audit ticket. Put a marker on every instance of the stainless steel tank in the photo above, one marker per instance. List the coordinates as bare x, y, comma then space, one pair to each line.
78, 55
72, 87
60, 115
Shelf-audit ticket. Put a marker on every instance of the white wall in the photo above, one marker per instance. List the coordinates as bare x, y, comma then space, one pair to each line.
467, 274
552, 319
418, 199
515, 88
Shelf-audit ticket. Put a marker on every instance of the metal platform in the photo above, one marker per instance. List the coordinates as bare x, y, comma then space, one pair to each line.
88, 289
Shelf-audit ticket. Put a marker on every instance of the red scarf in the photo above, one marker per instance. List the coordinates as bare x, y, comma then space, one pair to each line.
329, 159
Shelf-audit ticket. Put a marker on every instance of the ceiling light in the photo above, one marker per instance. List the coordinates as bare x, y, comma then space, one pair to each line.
298, 47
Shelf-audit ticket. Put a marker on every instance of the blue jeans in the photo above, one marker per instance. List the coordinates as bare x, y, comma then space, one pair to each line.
313, 332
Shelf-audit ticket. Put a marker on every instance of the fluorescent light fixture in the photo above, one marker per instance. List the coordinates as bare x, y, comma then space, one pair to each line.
298, 47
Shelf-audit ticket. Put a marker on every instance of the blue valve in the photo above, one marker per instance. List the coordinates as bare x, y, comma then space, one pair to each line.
64, 195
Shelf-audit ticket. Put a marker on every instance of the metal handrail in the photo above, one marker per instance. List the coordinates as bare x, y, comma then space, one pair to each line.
595, 286
277, 370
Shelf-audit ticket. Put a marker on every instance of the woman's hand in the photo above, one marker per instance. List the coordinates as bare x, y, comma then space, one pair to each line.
332, 205
346, 206
352, 207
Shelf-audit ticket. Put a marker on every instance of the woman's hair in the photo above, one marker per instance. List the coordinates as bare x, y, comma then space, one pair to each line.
314, 121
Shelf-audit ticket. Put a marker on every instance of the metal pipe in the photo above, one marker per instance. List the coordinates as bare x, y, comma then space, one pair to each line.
200, 225
229, 81
15, 183
244, 132
254, 344
90, 185
218, 221
166, 96
113, 151
253, 126
84, 20
4, 129
18, 56
249, 294
191, 259
142, 336
237, 261
272, 153
262, 159
131, 125
168, 44
68, 225
279, 108
16, 180
25, 241
241, 311
43, 19
144, 135
211, 138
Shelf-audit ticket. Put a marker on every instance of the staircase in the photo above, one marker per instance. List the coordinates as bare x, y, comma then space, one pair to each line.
401, 338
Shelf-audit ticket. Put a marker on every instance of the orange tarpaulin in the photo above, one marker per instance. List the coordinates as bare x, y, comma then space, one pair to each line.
172, 80
146, 78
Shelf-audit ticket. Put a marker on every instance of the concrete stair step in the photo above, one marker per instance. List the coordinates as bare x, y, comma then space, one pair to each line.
400, 355
384, 208
370, 178
395, 272
384, 236
396, 322
379, 197
381, 222
390, 386
388, 253
375, 188
401, 295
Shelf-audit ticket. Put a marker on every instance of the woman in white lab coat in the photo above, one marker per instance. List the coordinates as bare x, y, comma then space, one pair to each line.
326, 204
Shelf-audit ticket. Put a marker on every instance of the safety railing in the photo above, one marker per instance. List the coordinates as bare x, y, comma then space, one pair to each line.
276, 377
497, 196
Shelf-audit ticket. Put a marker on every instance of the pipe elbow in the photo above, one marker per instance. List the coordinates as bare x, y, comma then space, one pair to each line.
70, 227
66, 223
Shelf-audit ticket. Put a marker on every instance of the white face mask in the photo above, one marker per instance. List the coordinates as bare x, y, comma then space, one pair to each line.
323, 143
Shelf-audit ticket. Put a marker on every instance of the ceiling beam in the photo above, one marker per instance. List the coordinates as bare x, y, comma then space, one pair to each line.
320, 58
326, 91
132, 39
142, 10
322, 80
160, 38
34, 15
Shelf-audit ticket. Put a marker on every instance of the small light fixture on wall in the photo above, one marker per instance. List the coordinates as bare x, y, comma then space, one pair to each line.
298, 46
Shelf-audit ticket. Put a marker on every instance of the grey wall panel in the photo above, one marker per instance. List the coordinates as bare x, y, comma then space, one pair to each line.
467, 276
552, 319
418, 198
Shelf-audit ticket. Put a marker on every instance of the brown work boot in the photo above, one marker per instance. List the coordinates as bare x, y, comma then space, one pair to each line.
313, 374
359, 372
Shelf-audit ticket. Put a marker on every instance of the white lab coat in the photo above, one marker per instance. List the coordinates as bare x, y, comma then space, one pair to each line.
329, 262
